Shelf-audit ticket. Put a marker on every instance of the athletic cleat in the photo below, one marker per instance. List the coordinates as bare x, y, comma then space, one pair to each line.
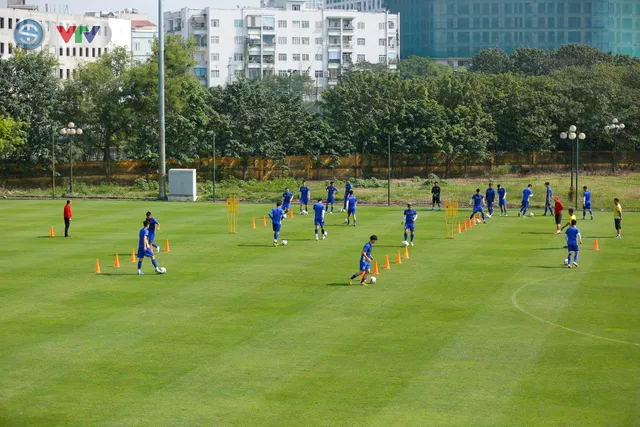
140, 273
275, 243
157, 249
618, 237
558, 232
488, 216
411, 243
316, 237
575, 263
350, 282
363, 284
583, 218
484, 220
592, 218
519, 214
324, 236
568, 265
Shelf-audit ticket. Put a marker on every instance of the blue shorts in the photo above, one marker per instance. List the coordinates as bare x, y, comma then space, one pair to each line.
286, 205
502, 202
145, 253
411, 227
152, 237
365, 265
318, 221
489, 204
304, 201
477, 210
548, 203
572, 247
525, 204
331, 199
351, 211
587, 205
276, 227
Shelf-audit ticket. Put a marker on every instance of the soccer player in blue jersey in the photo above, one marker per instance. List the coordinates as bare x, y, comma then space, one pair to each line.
352, 201
287, 198
305, 194
502, 200
152, 231
573, 237
586, 202
277, 215
548, 200
409, 221
318, 219
347, 188
365, 261
490, 197
331, 190
477, 200
144, 248
526, 195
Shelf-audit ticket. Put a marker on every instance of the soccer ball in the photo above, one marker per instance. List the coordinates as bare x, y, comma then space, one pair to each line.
284, 243
531, 214
565, 261
346, 220
477, 221
405, 243
372, 279
162, 270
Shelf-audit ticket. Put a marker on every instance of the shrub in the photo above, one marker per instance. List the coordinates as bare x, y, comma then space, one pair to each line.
141, 184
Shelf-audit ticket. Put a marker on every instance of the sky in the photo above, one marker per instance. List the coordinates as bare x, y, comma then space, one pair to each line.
144, 6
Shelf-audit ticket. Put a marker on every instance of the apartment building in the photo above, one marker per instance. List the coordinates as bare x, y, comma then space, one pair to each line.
286, 39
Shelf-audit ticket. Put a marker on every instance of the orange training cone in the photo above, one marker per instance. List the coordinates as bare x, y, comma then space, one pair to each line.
375, 267
264, 221
117, 263
290, 213
464, 225
595, 245
51, 232
398, 260
253, 223
386, 262
166, 246
133, 256
406, 252
459, 230
98, 267
479, 217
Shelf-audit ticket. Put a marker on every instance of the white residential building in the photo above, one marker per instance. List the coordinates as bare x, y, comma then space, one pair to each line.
72, 39
359, 5
289, 39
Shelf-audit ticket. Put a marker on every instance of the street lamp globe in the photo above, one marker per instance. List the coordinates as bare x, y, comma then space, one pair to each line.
621, 126
71, 125
572, 134
79, 131
615, 121
563, 135
572, 128
581, 136
63, 132
71, 132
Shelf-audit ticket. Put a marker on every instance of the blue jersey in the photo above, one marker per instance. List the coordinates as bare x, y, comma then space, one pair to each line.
587, 197
491, 195
502, 193
526, 193
276, 215
152, 224
141, 235
351, 202
287, 197
477, 200
367, 249
304, 193
330, 190
549, 195
410, 215
572, 235
318, 208
347, 188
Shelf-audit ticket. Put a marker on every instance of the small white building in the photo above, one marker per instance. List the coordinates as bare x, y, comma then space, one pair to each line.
72, 39
285, 40
359, 5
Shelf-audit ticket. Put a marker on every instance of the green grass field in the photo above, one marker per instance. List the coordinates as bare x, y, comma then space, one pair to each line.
487, 330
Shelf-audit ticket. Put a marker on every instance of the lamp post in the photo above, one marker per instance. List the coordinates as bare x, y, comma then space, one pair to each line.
70, 131
614, 127
574, 136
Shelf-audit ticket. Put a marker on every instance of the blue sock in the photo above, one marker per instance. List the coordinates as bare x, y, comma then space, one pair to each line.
411, 237
354, 276
569, 258
275, 236
405, 235
490, 211
139, 265
575, 257
483, 216
155, 264
354, 222
590, 212
316, 231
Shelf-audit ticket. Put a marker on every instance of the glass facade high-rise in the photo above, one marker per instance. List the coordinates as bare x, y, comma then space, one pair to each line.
461, 28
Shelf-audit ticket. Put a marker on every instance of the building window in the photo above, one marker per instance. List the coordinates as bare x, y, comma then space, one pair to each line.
305, 40
295, 40
215, 40
283, 73
305, 24
382, 42
319, 40
10, 48
282, 40
361, 42
238, 57
215, 57
392, 25
305, 56
61, 51
361, 58
318, 24
282, 57
99, 51
318, 57
361, 25
1, 48
295, 24
238, 73
93, 52
1, 22
295, 7
237, 23
215, 23
74, 51
61, 73
296, 57
136, 46
282, 24
10, 23
68, 73
319, 74
237, 40
382, 26
215, 74
382, 59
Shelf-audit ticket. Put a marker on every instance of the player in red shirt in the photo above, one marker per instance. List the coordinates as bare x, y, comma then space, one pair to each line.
67, 218
557, 211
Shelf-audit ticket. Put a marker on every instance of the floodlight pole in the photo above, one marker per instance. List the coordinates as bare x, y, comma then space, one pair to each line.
389, 170
53, 164
214, 167
161, 143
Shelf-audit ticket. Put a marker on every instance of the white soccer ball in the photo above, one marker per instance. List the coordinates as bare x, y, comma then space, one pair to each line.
477, 221
531, 214
284, 243
405, 243
565, 261
346, 220
372, 279
162, 270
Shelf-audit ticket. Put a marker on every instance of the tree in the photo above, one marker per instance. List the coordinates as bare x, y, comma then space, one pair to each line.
12, 135
529, 61
579, 55
490, 61
295, 84
418, 66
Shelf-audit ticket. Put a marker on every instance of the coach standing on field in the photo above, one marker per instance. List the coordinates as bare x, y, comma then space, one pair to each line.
67, 218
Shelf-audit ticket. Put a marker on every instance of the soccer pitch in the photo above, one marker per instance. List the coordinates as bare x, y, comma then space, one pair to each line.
489, 329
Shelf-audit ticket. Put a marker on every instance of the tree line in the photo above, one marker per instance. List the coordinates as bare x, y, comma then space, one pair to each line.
503, 103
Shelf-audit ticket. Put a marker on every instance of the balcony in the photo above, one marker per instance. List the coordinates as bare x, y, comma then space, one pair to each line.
392, 61
268, 59
253, 43
347, 46
347, 28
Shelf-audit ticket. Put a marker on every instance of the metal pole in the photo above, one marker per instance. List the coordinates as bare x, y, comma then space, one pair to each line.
70, 168
572, 159
53, 164
577, 167
615, 150
389, 170
214, 167
161, 147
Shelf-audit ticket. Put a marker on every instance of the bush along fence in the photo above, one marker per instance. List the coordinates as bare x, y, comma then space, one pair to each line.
322, 167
